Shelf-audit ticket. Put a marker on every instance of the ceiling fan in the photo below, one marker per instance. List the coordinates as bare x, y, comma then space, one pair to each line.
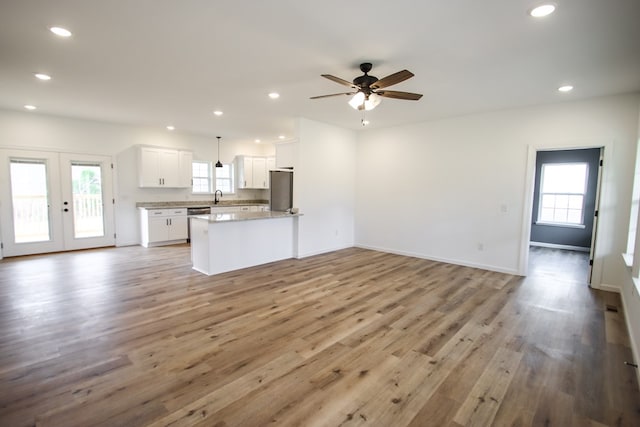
368, 88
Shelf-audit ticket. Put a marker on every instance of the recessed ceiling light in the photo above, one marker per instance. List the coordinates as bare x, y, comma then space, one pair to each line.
566, 88
274, 95
42, 76
542, 10
30, 107
257, 141
59, 31
281, 137
218, 113
171, 127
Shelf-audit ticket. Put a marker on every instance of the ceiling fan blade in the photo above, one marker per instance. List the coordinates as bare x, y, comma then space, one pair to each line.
400, 95
392, 79
338, 80
333, 94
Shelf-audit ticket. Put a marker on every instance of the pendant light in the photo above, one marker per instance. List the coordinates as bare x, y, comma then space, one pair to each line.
218, 164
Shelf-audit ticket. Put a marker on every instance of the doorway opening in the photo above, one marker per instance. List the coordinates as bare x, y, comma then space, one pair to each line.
564, 213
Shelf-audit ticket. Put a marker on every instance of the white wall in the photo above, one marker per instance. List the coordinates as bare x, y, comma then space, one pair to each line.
456, 189
629, 289
324, 187
42, 132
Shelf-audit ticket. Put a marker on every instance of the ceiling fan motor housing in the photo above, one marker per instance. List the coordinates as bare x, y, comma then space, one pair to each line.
364, 82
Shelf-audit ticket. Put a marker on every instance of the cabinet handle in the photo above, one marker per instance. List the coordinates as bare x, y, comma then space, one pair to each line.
159, 181
245, 183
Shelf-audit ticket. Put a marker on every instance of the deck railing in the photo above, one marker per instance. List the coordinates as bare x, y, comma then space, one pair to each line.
31, 217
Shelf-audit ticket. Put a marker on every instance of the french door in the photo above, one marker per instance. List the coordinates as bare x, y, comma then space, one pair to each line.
54, 202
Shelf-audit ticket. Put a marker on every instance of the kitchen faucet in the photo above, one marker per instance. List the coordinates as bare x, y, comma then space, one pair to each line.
216, 200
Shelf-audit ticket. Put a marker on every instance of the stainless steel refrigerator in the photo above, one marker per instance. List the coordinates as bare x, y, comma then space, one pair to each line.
281, 190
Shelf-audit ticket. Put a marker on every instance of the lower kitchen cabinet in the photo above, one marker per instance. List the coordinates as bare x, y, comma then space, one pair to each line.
163, 226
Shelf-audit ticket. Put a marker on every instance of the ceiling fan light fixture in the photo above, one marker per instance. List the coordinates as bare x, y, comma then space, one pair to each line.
372, 101
357, 100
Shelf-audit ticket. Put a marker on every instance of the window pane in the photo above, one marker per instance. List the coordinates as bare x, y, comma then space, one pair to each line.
574, 216
548, 201
562, 201
86, 184
560, 215
575, 202
546, 214
564, 178
30, 201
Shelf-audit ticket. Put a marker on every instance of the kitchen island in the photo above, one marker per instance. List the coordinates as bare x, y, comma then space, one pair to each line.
231, 241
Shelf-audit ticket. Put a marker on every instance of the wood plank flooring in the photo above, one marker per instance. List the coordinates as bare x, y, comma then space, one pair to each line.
134, 337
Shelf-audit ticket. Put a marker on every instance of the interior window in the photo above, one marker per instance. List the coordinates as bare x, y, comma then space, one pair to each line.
563, 188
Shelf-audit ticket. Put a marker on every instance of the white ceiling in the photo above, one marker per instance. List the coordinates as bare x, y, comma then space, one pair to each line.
160, 62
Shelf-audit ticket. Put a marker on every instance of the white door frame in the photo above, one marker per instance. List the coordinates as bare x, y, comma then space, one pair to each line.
607, 154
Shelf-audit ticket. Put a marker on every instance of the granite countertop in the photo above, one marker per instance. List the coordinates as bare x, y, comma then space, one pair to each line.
243, 216
200, 203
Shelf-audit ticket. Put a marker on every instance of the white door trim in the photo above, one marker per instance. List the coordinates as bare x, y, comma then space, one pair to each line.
527, 212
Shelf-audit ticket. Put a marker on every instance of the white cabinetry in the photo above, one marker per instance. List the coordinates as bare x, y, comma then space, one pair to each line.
164, 167
163, 226
186, 169
252, 172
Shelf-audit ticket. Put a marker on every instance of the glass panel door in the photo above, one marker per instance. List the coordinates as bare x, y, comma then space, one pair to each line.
30, 201
30, 219
87, 201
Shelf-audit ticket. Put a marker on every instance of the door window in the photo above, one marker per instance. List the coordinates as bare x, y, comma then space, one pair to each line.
30, 201
86, 184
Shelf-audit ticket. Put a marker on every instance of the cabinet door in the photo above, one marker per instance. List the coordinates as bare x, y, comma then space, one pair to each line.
247, 180
186, 169
177, 227
148, 167
169, 165
260, 172
158, 229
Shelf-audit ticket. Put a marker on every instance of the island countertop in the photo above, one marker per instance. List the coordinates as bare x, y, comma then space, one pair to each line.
243, 216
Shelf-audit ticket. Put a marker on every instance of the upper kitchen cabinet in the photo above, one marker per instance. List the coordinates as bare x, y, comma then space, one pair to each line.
164, 168
252, 172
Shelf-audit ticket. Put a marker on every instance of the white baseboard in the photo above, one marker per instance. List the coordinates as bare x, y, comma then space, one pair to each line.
322, 251
444, 260
555, 246
608, 288
634, 345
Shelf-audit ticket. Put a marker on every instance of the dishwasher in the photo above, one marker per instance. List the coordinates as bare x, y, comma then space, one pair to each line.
193, 212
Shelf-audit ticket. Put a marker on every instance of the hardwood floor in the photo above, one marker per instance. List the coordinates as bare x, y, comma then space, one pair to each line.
134, 337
